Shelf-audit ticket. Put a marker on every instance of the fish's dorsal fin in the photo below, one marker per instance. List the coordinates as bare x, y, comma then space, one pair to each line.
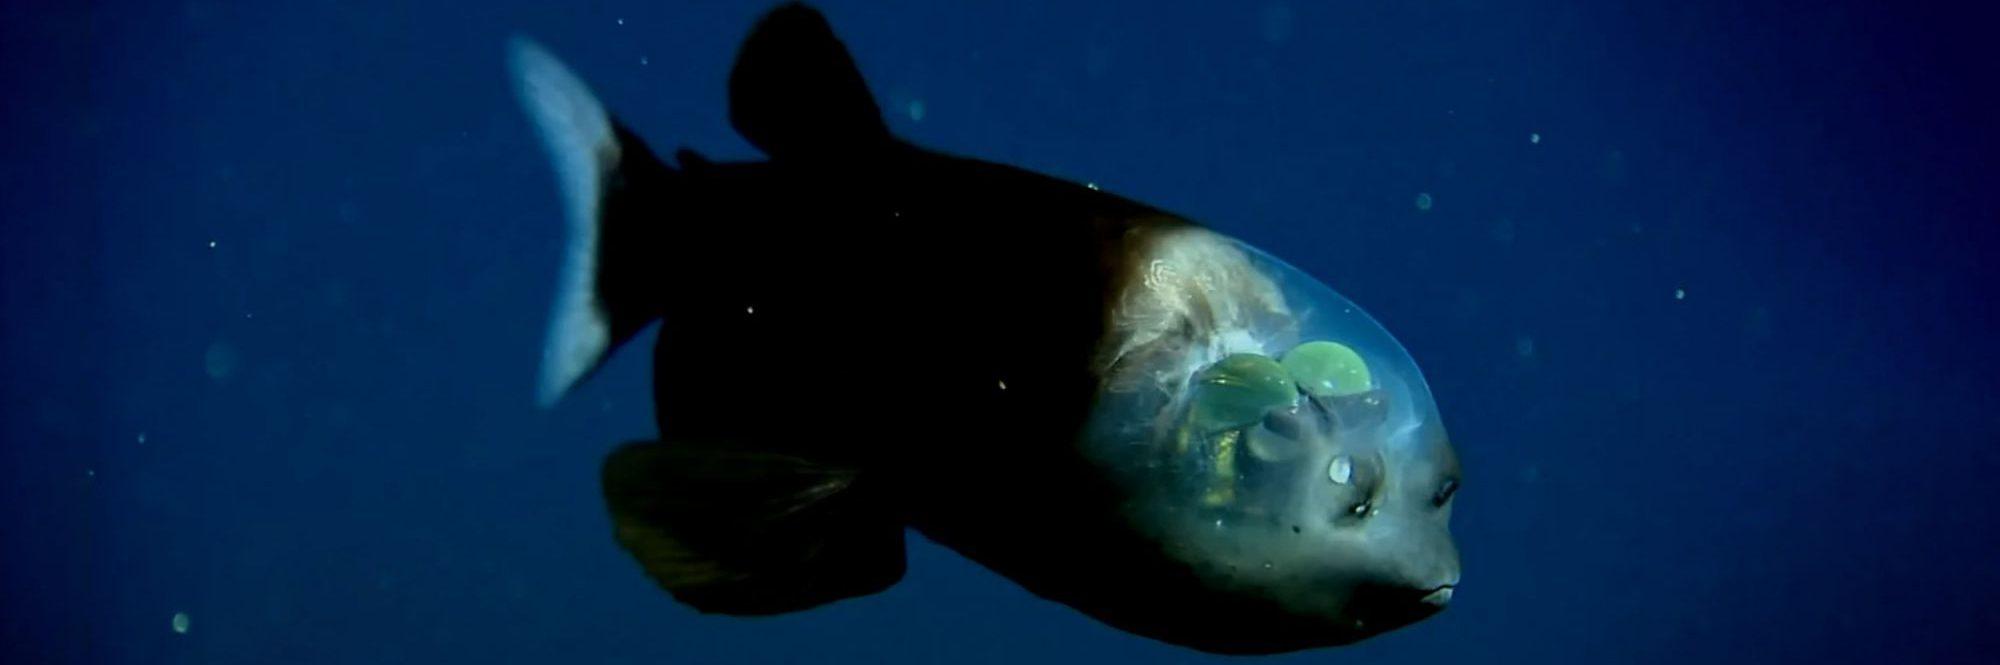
796, 94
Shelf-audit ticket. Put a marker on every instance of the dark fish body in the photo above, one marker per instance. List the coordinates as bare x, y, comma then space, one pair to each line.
1104, 402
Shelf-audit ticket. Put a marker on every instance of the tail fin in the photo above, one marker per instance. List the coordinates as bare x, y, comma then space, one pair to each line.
796, 94
612, 190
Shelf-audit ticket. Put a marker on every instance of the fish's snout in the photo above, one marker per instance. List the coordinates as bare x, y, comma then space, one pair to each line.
1386, 607
1440, 596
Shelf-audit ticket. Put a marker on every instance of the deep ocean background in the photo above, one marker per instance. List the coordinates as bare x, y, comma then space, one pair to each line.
275, 274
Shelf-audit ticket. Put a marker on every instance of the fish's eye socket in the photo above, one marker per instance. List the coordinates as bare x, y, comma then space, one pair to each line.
1445, 492
1354, 486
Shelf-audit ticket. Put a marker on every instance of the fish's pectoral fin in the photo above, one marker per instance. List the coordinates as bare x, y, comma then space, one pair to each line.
735, 531
796, 94
615, 194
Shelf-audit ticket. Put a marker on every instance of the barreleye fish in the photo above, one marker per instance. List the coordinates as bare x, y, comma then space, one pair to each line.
1120, 410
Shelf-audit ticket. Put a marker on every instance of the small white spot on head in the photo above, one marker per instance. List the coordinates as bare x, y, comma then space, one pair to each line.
1341, 470
1092, 186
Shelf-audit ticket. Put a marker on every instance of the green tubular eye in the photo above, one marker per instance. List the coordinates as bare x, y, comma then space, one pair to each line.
1328, 369
1238, 390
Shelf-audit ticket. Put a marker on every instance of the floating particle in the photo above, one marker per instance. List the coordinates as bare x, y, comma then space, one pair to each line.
1680, 294
1758, 325
917, 110
1424, 201
750, 309
90, 473
1003, 385
142, 438
643, 61
1524, 346
1613, 168
1534, 138
621, 21
180, 624
219, 361
1276, 22
211, 244
1097, 61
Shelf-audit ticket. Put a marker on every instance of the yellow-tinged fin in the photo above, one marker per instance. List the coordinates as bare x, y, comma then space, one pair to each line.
745, 532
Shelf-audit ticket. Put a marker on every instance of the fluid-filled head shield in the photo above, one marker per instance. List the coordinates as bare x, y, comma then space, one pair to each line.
1272, 435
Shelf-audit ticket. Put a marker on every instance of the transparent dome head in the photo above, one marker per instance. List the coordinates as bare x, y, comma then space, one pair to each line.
1266, 429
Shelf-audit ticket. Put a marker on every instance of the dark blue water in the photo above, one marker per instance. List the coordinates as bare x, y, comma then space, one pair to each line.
1702, 290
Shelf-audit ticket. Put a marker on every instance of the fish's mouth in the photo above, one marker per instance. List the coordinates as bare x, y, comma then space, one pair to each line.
1440, 595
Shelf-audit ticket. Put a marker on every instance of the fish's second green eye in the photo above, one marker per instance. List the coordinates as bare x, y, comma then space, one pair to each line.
1238, 390
1328, 369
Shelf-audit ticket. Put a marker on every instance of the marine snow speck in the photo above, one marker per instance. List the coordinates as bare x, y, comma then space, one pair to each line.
1195, 442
